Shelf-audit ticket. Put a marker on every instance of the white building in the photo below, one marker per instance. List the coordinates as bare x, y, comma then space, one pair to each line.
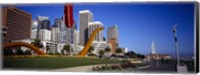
55, 31
39, 22
112, 33
45, 35
100, 45
85, 16
76, 48
33, 33
34, 24
92, 27
76, 37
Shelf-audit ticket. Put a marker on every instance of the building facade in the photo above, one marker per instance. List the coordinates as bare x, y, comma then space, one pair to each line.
92, 27
85, 16
112, 37
100, 45
40, 20
45, 24
17, 22
45, 35
55, 31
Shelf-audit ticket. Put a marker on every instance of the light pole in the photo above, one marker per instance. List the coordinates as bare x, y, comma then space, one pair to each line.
176, 44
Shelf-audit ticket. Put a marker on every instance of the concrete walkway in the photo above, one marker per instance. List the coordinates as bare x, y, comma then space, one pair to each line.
87, 68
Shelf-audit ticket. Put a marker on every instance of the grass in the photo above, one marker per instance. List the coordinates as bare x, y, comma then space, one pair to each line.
47, 63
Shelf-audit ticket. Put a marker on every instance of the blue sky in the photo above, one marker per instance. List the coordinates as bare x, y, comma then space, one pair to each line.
139, 23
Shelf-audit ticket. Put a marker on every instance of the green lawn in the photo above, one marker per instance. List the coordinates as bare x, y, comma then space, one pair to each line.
47, 63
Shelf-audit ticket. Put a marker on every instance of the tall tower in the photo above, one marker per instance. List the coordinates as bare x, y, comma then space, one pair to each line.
153, 48
85, 16
92, 27
112, 37
40, 19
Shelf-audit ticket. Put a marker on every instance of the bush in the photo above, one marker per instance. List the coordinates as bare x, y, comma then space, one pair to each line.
92, 54
57, 54
50, 53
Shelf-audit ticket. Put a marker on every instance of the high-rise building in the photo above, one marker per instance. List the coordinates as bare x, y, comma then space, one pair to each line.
34, 29
33, 34
112, 32
76, 37
58, 23
34, 24
55, 34
45, 35
85, 16
92, 27
153, 48
45, 24
112, 37
17, 22
40, 20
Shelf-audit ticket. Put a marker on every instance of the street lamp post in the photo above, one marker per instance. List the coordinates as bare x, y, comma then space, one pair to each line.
176, 44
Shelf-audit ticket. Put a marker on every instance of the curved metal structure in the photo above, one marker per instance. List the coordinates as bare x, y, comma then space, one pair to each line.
89, 42
32, 47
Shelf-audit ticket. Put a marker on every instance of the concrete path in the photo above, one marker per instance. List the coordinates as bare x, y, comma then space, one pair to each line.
87, 68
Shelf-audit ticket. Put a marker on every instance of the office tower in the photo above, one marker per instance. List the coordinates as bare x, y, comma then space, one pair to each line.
112, 37
63, 33
92, 27
45, 24
17, 22
33, 34
58, 23
45, 35
40, 19
55, 34
34, 24
76, 37
85, 16
70, 34
34, 29
153, 48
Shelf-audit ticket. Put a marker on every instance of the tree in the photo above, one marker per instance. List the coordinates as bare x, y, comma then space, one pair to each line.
67, 49
91, 49
37, 43
27, 52
107, 52
140, 56
131, 54
47, 49
101, 53
118, 50
107, 49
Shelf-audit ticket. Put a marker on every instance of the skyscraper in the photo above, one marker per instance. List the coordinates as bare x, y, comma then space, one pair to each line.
34, 29
85, 16
40, 19
45, 24
112, 37
112, 33
55, 34
17, 22
45, 35
92, 27
34, 24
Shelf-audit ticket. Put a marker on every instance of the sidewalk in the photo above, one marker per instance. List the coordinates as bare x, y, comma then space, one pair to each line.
87, 68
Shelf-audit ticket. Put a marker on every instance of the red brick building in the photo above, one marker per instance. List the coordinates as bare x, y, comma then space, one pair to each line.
17, 23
